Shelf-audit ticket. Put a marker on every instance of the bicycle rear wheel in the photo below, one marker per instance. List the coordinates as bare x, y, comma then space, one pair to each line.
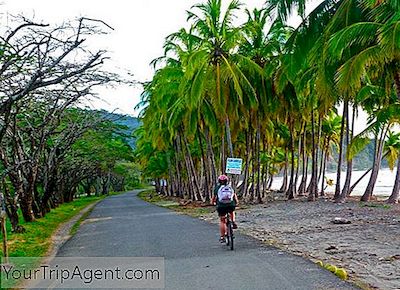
227, 236
230, 234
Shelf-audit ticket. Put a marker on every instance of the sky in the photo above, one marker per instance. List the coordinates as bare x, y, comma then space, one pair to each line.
140, 27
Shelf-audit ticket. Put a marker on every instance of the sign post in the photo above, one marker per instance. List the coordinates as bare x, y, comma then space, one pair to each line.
3, 227
234, 165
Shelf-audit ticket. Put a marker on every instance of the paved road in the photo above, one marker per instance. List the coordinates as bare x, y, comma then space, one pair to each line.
124, 225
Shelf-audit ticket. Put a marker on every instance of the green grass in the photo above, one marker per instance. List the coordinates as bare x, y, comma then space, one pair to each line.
76, 226
376, 205
36, 241
171, 203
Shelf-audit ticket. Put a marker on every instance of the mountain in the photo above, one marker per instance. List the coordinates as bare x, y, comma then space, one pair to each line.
362, 161
130, 123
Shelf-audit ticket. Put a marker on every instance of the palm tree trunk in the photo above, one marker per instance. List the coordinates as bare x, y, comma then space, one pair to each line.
264, 173
206, 196
321, 164
211, 158
223, 155
190, 184
397, 84
313, 183
198, 195
290, 191
285, 174
246, 168
349, 169
254, 167
377, 164
178, 169
302, 187
394, 197
271, 179
358, 181
324, 173
228, 136
258, 144
339, 165
322, 167
298, 164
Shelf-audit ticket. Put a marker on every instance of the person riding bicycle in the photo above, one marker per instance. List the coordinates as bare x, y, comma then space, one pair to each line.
226, 200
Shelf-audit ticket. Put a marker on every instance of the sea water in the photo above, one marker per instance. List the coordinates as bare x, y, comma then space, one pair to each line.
383, 186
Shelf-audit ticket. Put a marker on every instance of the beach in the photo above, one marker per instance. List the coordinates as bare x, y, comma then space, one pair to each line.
368, 248
383, 186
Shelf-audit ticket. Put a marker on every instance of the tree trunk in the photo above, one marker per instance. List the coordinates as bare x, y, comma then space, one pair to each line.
358, 181
25, 202
394, 197
285, 174
223, 155
264, 173
349, 169
178, 171
397, 83
228, 136
321, 166
271, 179
207, 195
302, 186
298, 165
211, 157
313, 183
253, 166
258, 144
11, 208
324, 172
191, 189
197, 191
246, 167
292, 185
339, 166
377, 164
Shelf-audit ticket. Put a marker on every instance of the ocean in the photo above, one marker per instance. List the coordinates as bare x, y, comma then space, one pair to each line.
383, 186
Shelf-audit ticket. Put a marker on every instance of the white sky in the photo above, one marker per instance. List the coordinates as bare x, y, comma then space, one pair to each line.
140, 29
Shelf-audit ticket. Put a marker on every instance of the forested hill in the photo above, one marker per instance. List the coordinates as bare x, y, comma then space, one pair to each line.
131, 123
362, 161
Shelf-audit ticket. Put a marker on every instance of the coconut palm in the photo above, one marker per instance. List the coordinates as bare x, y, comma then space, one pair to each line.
217, 59
392, 146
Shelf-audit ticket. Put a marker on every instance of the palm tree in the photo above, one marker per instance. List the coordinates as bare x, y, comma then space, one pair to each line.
330, 129
392, 146
217, 58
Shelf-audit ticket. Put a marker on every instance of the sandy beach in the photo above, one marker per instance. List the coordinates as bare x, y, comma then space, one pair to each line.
368, 248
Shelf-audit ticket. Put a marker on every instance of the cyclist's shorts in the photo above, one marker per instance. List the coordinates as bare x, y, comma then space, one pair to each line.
223, 210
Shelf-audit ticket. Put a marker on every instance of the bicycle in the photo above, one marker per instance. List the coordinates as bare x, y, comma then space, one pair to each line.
229, 237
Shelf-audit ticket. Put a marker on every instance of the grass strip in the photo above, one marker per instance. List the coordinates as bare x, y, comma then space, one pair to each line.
36, 241
173, 203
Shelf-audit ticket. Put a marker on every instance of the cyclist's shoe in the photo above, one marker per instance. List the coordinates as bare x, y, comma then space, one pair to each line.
234, 225
222, 240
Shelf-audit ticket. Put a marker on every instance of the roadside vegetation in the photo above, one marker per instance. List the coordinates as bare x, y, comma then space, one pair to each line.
192, 209
36, 241
53, 148
269, 94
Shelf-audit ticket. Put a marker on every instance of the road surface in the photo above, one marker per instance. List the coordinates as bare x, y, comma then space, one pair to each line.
125, 226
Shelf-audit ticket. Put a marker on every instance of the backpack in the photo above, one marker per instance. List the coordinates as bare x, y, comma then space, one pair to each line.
225, 194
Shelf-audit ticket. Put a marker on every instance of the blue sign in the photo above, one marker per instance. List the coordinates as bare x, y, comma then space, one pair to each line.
234, 165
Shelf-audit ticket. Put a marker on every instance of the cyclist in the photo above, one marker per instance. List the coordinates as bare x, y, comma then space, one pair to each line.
226, 200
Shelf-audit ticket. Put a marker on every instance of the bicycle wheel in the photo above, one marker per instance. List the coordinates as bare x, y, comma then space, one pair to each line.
227, 236
230, 233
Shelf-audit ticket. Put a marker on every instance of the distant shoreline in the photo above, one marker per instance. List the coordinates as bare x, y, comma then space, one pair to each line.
383, 187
